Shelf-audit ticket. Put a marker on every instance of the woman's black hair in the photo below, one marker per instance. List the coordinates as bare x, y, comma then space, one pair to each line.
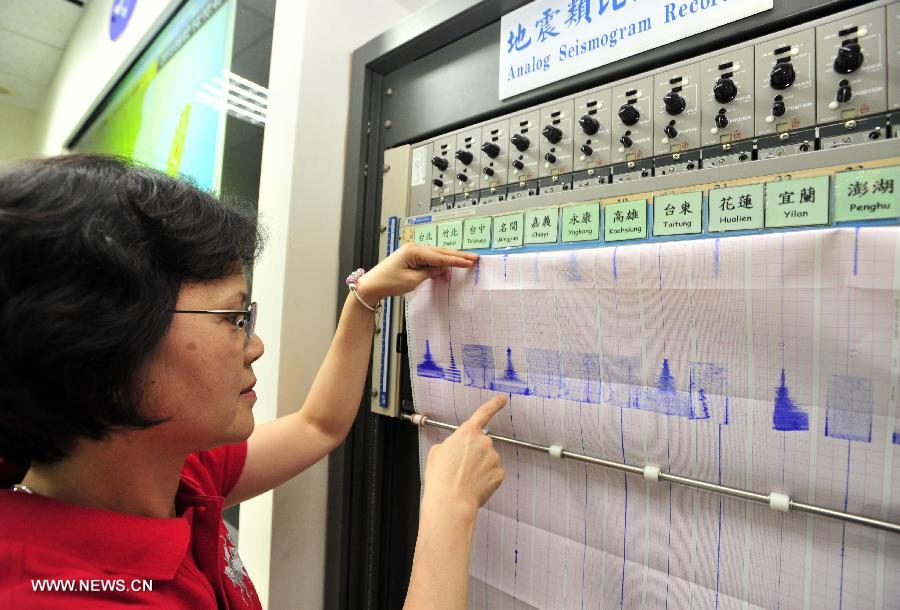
93, 252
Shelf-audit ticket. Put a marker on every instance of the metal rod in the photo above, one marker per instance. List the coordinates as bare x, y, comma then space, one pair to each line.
724, 490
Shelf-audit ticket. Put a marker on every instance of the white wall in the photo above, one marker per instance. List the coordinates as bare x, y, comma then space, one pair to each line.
90, 66
283, 533
16, 133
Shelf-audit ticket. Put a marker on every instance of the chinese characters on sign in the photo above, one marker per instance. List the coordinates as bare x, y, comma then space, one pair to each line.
625, 220
678, 214
508, 230
867, 194
581, 222
450, 235
541, 226
795, 203
737, 208
548, 40
477, 233
426, 234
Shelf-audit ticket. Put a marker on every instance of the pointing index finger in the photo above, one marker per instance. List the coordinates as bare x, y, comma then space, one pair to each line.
481, 417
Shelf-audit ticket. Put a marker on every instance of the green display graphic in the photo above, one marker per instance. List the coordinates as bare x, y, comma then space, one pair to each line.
427, 235
541, 225
581, 222
867, 194
797, 203
477, 233
678, 214
625, 220
449, 234
158, 115
736, 208
509, 230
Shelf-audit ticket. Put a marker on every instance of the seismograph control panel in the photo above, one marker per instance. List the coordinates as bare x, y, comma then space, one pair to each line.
688, 291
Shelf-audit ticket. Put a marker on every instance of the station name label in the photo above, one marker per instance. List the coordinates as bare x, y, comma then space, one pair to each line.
868, 194
625, 220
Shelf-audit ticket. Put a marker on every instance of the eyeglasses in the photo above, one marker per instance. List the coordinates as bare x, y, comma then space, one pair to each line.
244, 319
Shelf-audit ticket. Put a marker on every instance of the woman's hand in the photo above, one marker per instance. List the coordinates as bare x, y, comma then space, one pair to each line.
465, 469
460, 476
408, 267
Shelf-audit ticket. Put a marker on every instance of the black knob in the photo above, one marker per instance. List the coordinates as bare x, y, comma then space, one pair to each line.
520, 142
586, 150
725, 90
589, 124
721, 121
782, 76
464, 156
438, 183
844, 93
629, 114
674, 103
462, 177
518, 165
778, 108
626, 141
439, 162
553, 134
550, 157
670, 131
849, 58
490, 149
488, 172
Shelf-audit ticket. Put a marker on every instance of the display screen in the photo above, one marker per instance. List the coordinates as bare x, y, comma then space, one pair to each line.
156, 114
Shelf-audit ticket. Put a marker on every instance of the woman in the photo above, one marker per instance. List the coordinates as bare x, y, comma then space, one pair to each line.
126, 395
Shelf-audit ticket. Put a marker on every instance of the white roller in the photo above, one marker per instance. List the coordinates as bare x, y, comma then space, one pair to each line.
780, 502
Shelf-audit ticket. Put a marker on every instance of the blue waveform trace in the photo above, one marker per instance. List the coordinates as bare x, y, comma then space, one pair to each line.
544, 373
623, 381
452, 374
563, 375
848, 408
709, 392
581, 377
510, 383
478, 366
666, 398
716, 259
428, 367
787, 417
536, 268
573, 270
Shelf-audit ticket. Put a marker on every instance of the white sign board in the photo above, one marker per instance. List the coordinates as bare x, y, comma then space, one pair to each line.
548, 40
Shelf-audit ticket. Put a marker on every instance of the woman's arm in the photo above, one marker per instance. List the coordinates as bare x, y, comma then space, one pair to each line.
281, 449
460, 476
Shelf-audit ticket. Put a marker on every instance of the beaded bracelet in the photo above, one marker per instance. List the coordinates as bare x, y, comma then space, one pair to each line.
351, 281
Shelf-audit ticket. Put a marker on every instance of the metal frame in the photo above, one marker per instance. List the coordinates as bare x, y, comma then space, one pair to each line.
408, 84
776, 501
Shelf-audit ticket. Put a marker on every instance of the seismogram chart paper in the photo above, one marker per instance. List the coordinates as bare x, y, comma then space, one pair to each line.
766, 362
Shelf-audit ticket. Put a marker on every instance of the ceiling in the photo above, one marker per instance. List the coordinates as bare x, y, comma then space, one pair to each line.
33, 35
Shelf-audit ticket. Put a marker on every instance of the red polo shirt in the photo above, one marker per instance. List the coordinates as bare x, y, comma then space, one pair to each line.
101, 559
